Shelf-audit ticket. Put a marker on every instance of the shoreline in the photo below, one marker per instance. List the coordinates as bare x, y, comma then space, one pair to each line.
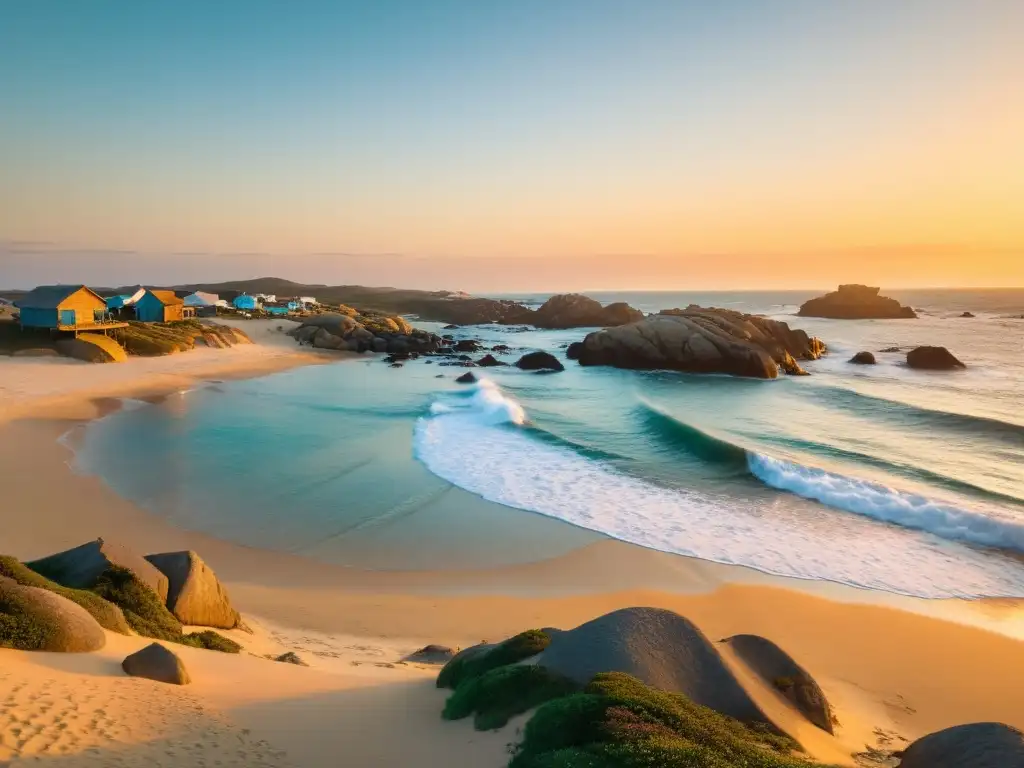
884, 661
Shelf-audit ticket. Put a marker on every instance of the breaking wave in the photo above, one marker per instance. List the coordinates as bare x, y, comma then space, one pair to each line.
481, 441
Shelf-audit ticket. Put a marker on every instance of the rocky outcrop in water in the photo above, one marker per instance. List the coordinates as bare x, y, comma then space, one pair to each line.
364, 333
701, 340
571, 310
855, 302
863, 358
933, 359
539, 361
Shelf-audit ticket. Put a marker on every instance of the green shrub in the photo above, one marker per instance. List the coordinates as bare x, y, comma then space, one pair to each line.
142, 607
211, 641
464, 667
20, 627
620, 721
107, 615
503, 692
147, 614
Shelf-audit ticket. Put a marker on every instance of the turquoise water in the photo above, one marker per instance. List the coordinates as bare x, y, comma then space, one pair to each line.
878, 477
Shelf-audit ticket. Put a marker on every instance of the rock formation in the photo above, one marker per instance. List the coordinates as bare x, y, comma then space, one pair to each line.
363, 333
863, 358
490, 361
855, 302
155, 662
80, 567
703, 340
563, 311
539, 361
466, 378
933, 359
573, 310
974, 745
658, 647
35, 619
778, 669
195, 596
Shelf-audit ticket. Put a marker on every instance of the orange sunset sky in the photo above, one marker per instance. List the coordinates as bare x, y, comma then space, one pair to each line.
546, 146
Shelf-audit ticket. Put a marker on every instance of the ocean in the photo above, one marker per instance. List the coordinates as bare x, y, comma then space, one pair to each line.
879, 477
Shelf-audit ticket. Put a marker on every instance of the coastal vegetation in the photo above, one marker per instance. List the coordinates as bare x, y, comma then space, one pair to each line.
119, 601
474, 662
619, 721
148, 615
108, 615
504, 692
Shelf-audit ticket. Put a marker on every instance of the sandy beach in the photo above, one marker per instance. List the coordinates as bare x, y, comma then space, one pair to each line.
892, 675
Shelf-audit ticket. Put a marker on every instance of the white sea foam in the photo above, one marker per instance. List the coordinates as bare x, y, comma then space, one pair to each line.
889, 505
475, 443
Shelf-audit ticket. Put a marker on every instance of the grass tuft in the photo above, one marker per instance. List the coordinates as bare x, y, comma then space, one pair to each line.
504, 692
470, 665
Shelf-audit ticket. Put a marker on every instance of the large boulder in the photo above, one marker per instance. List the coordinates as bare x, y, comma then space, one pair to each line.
863, 358
155, 662
539, 361
701, 340
933, 359
778, 669
80, 567
35, 619
659, 648
974, 745
574, 310
466, 378
855, 302
195, 596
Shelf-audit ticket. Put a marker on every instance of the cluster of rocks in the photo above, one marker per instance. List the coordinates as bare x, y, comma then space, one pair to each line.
855, 302
185, 584
364, 333
701, 340
571, 310
922, 358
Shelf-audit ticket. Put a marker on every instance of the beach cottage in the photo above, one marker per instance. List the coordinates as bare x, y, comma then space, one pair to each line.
201, 299
63, 308
122, 300
245, 302
161, 307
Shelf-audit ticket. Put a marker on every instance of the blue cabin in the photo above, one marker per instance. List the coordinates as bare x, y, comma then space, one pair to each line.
245, 302
157, 306
276, 310
62, 308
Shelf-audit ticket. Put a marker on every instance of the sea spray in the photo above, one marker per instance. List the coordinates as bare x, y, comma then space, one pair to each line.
889, 505
477, 442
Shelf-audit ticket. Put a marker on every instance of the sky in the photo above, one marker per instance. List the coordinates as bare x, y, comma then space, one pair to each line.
510, 146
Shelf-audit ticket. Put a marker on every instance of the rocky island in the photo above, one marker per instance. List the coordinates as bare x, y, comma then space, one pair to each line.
702, 340
855, 302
